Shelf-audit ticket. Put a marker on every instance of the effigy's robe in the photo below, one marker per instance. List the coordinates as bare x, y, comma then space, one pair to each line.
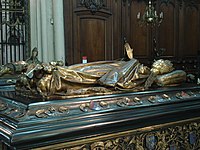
81, 76
129, 76
90, 78
89, 73
125, 75
122, 74
75, 79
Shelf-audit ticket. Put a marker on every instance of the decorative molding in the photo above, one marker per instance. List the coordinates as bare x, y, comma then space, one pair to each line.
20, 112
184, 136
167, 2
93, 5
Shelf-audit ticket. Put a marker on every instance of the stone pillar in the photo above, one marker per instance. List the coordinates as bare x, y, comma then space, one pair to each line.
58, 22
42, 29
33, 23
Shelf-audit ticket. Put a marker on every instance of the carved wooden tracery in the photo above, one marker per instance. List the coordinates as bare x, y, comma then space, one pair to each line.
93, 5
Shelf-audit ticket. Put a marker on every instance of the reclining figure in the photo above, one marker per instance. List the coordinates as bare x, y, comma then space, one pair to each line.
102, 77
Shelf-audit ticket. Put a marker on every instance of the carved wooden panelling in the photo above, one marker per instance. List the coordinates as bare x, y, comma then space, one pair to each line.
139, 34
98, 30
166, 32
90, 42
191, 30
92, 31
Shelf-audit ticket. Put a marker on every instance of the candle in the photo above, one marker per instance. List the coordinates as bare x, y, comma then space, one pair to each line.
161, 15
138, 15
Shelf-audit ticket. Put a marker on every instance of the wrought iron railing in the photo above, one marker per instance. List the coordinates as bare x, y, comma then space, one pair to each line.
14, 30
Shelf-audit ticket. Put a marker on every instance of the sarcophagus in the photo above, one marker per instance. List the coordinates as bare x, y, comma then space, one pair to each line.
157, 118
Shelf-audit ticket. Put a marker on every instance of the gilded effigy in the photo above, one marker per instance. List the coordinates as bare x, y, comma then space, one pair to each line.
95, 78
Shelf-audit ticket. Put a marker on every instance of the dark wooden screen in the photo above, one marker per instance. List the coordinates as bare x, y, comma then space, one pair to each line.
99, 33
90, 30
14, 29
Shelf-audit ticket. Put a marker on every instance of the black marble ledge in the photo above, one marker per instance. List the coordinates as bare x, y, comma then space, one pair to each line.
22, 108
34, 123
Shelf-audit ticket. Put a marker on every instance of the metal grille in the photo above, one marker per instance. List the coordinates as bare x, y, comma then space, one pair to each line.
14, 30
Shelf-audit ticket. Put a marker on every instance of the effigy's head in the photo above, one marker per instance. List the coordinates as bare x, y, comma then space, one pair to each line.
161, 66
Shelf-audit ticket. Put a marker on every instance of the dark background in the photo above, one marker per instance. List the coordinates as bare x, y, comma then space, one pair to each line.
99, 35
